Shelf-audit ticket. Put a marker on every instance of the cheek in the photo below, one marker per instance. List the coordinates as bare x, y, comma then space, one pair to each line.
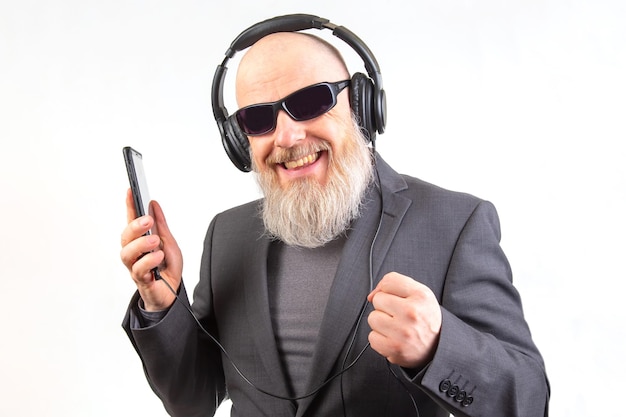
260, 150
336, 136
338, 126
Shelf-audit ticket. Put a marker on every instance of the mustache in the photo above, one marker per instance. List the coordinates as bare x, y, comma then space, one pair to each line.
282, 155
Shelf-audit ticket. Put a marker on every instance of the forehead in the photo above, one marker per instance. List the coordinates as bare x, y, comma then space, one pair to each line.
282, 63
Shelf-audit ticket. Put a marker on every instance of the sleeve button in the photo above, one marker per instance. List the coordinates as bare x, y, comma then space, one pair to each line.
453, 391
460, 397
467, 401
445, 385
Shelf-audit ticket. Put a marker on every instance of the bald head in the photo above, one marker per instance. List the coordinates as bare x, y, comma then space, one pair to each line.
283, 62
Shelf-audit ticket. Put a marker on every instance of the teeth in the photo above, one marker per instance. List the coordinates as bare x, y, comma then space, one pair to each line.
309, 159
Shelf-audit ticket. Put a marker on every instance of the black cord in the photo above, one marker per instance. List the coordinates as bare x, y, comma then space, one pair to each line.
371, 277
417, 411
242, 375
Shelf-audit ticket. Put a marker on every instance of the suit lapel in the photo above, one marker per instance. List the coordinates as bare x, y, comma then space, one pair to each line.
395, 207
352, 281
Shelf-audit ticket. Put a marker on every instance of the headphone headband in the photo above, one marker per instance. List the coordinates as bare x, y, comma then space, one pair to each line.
287, 23
235, 142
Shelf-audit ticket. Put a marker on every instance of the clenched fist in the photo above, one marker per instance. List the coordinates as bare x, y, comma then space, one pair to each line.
406, 321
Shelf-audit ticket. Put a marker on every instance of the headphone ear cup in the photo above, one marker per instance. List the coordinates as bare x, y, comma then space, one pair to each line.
236, 144
362, 103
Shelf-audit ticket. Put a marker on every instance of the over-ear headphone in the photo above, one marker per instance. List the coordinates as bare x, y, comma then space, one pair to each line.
367, 97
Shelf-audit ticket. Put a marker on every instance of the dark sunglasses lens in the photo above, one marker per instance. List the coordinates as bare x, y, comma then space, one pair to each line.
310, 102
256, 120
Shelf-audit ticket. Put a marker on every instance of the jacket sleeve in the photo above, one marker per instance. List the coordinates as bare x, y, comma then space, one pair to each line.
182, 365
486, 363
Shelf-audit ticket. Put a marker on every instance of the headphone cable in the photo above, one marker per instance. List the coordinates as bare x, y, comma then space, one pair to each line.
243, 376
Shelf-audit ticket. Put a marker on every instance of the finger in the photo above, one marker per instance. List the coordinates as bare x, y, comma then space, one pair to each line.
390, 304
395, 340
163, 229
168, 243
137, 248
397, 284
141, 271
376, 290
380, 322
131, 213
135, 229
377, 342
173, 262
383, 345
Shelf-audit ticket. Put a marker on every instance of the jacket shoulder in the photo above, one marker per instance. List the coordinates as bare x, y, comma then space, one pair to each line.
423, 191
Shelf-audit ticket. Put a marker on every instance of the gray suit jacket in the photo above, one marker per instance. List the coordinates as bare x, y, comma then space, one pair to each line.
486, 363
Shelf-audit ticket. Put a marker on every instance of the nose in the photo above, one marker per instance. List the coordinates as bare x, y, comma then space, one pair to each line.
288, 132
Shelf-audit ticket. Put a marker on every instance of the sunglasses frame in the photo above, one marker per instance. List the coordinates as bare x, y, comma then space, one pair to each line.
334, 87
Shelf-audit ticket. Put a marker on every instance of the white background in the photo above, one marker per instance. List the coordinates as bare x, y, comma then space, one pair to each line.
519, 102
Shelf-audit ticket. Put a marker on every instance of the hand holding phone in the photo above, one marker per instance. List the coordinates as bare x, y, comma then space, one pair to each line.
164, 259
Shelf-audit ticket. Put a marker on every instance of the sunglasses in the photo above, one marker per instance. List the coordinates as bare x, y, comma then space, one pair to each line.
305, 104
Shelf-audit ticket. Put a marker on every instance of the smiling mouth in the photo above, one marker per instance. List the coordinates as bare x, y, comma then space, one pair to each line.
302, 162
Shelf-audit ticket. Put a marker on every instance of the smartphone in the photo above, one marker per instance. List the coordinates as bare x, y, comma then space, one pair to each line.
139, 188
137, 179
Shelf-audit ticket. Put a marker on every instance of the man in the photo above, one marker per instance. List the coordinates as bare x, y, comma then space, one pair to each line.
353, 291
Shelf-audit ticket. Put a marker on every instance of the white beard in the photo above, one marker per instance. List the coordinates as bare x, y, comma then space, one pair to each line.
310, 214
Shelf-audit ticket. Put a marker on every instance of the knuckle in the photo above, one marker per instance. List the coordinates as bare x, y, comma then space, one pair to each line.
413, 315
395, 348
126, 257
378, 298
371, 320
374, 338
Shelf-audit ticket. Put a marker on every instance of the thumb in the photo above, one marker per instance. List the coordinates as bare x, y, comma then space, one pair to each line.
159, 219
173, 256
371, 295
